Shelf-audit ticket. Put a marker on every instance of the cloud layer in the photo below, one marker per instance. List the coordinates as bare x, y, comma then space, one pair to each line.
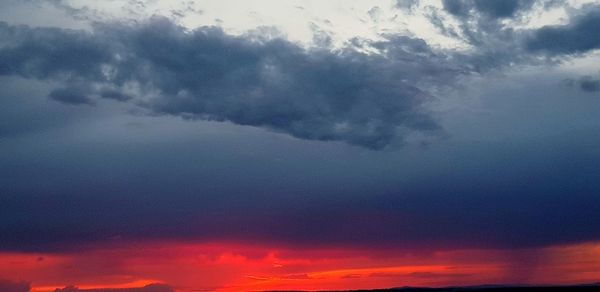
370, 100
61, 191
374, 100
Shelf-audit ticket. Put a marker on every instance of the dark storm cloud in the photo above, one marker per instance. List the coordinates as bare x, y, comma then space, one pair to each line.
366, 100
579, 36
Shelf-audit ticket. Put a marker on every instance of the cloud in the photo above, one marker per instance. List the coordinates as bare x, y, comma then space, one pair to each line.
10, 286
297, 276
586, 83
114, 94
590, 85
497, 46
407, 5
456, 7
488, 8
373, 100
481, 25
147, 288
71, 95
369, 100
375, 13
140, 189
502, 8
579, 36
51, 53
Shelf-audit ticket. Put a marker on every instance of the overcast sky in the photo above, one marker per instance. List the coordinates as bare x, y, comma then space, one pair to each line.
405, 125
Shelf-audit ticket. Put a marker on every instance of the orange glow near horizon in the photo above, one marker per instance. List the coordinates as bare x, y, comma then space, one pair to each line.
134, 284
231, 267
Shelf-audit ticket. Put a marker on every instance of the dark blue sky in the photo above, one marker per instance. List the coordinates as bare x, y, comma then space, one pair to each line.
153, 130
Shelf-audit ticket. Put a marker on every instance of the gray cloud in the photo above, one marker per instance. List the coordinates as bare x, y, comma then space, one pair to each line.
489, 8
585, 83
114, 94
71, 95
480, 25
370, 100
498, 46
407, 4
456, 7
589, 84
579, 36
51, 53
502, 8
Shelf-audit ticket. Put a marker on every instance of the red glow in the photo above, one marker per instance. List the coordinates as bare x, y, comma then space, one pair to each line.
238, 267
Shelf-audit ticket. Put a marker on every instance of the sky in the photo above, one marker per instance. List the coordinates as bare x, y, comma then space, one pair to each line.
177, 146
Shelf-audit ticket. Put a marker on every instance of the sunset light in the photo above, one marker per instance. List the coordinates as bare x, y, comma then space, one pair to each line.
299, 145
